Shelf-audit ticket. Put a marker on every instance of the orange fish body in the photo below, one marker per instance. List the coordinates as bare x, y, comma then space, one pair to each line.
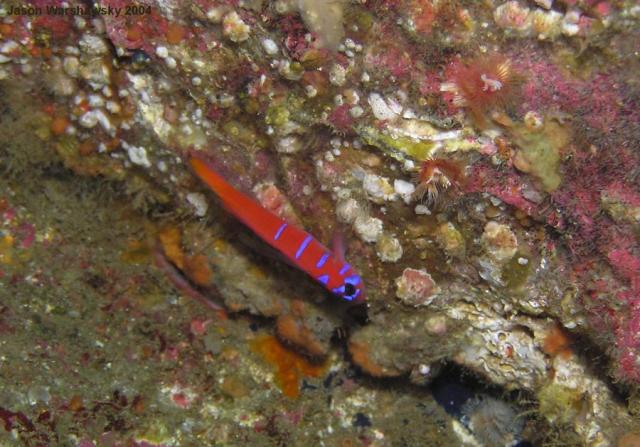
298, 246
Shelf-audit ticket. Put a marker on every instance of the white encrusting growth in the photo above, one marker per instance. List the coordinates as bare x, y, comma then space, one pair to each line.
137, 154
368, 228
404, 189
270, 47
199, 202
381, 110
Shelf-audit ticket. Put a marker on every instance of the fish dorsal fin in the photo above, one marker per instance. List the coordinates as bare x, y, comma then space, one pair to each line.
338, 246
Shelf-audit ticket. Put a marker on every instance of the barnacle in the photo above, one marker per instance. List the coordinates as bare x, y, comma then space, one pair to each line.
436, 176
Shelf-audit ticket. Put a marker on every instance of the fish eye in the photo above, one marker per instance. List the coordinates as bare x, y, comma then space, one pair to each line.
349, 289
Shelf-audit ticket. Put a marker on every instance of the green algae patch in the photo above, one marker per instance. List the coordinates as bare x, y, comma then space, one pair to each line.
277, 115
450, 240
516, 272
559, 403
397, 147
420, 150
284, 114
245, 134
155, 434
539, 152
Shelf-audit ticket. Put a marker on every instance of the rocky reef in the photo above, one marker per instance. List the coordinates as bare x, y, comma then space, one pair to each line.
478, 160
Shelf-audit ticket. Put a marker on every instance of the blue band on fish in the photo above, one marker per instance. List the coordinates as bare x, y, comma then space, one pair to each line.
354, 280
324, 279
279, 232
303, 246
322, 260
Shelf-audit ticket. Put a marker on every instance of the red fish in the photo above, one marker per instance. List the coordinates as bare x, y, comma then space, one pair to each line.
299, 247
